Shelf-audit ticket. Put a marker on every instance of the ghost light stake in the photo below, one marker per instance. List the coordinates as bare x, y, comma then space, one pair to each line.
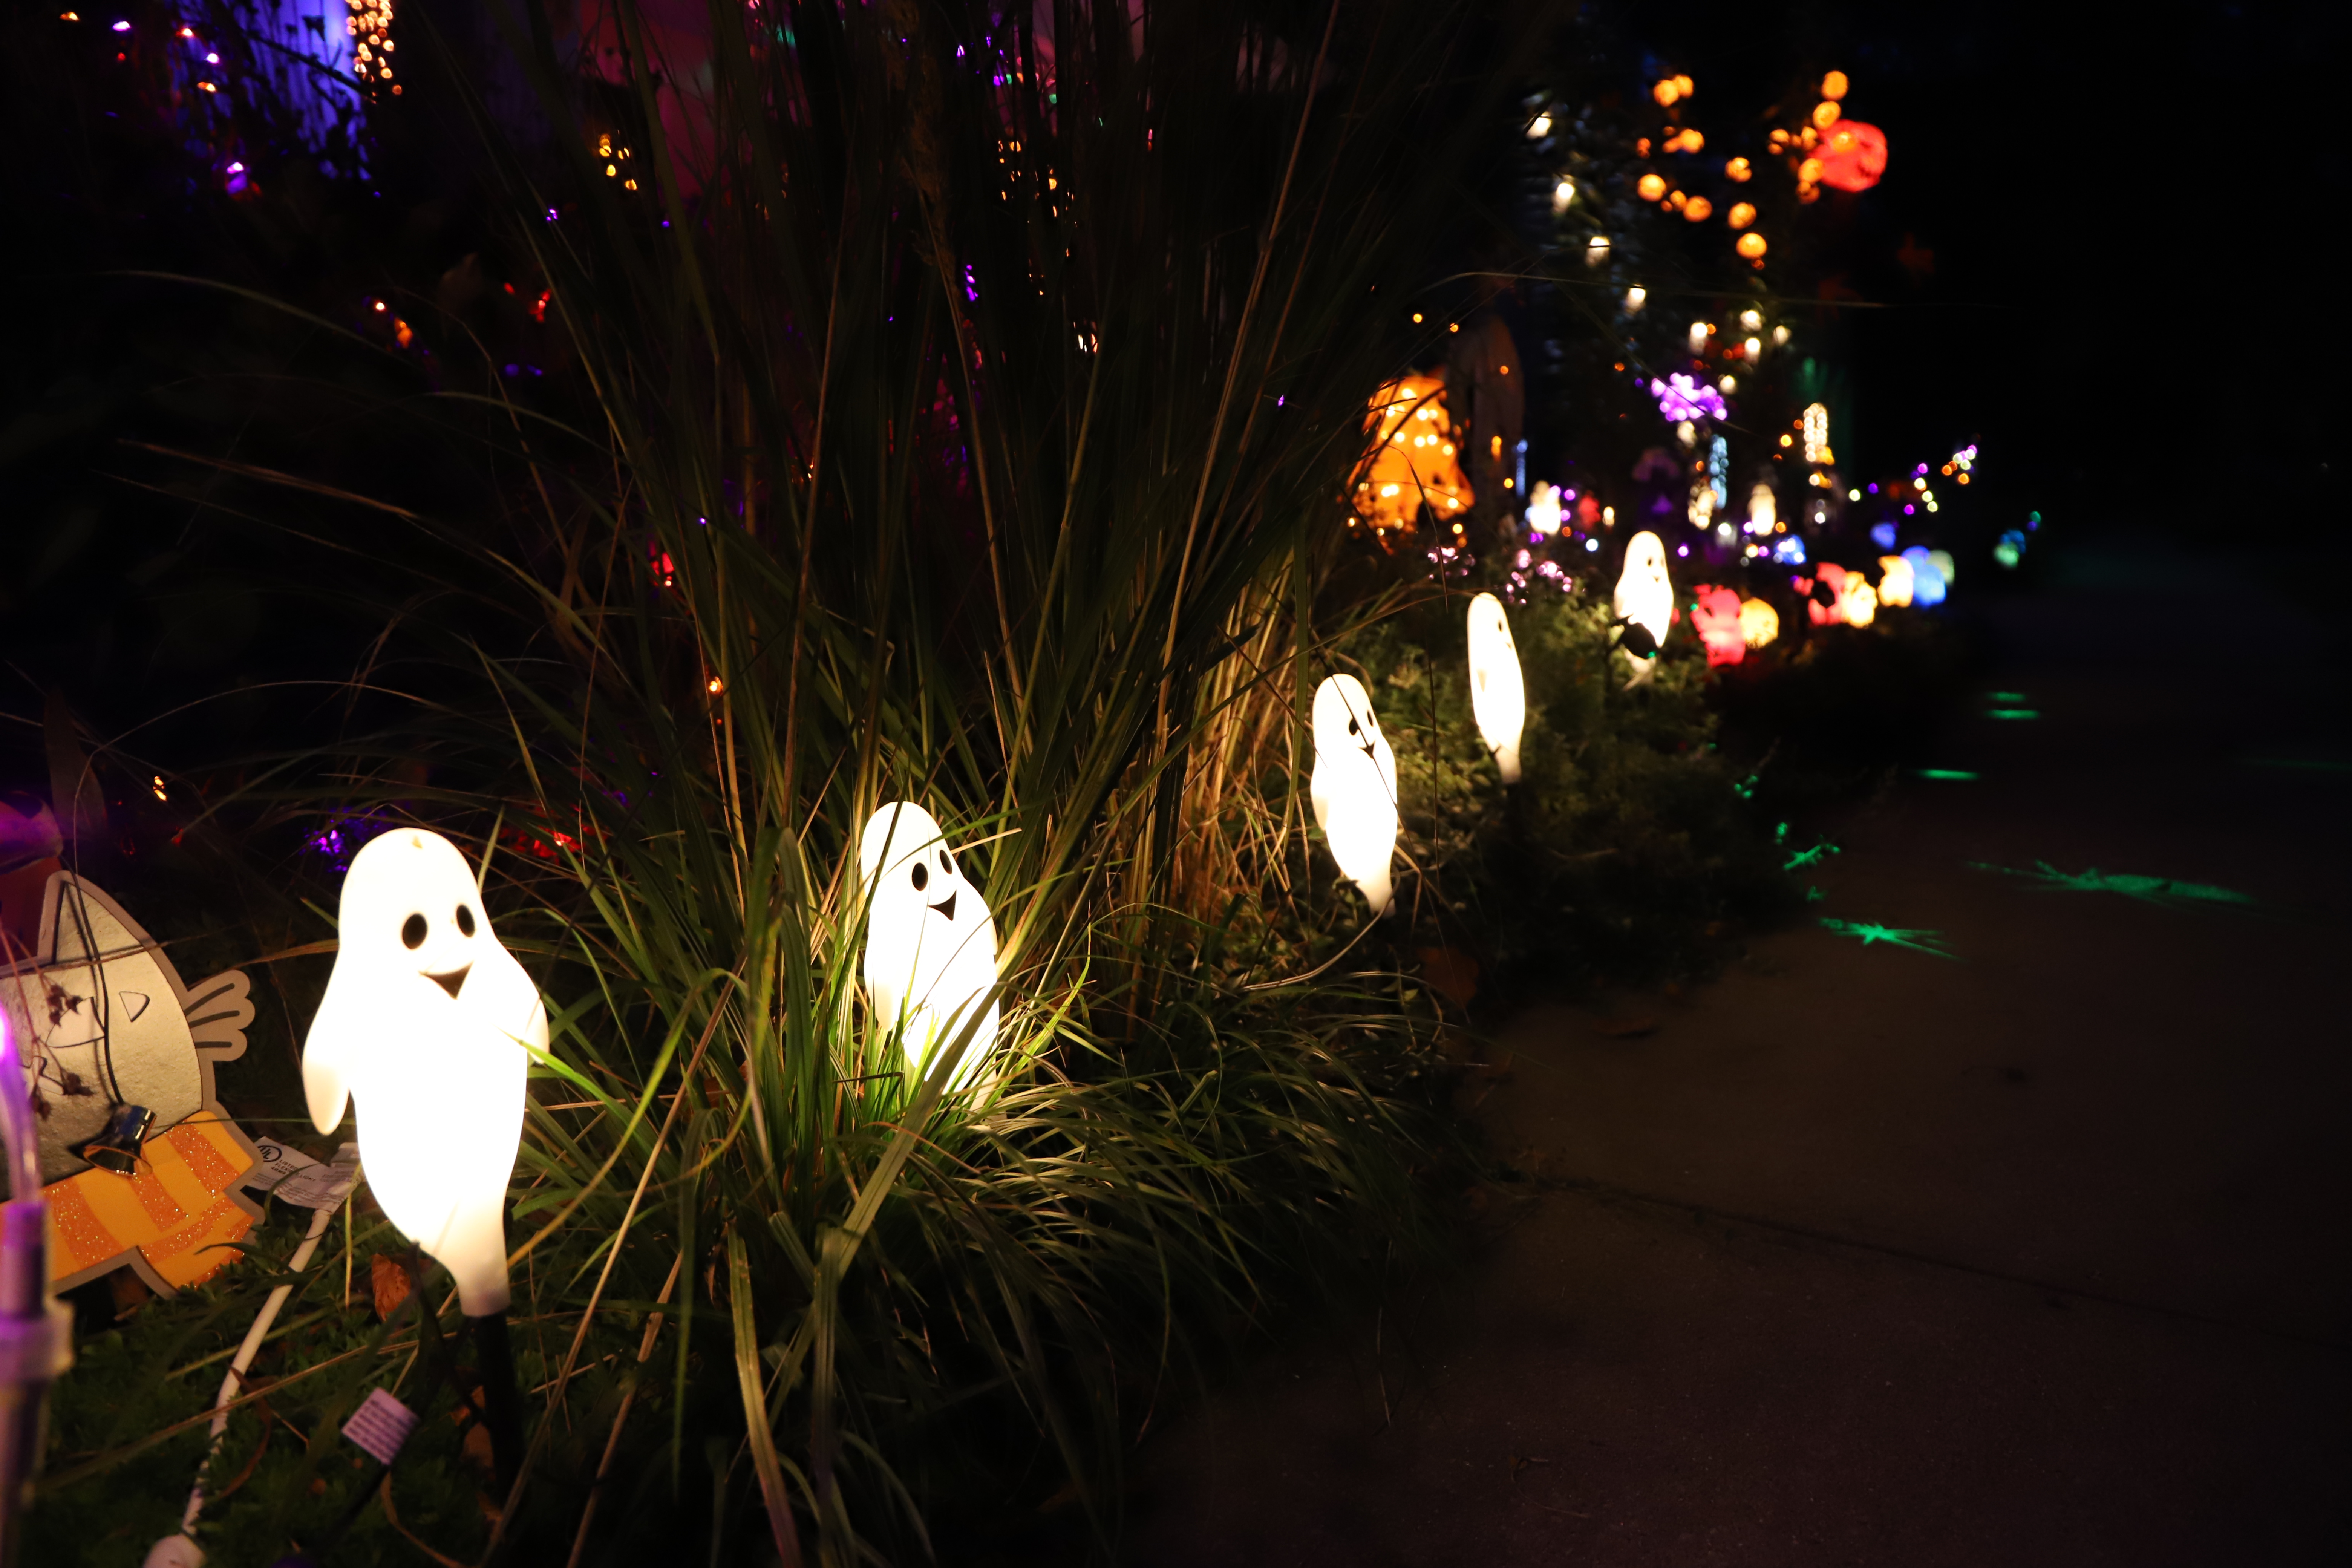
930, 944
1353, 787
1644, 598
424, 1027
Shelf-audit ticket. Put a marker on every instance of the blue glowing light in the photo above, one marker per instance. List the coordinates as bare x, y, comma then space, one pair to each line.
1883, 535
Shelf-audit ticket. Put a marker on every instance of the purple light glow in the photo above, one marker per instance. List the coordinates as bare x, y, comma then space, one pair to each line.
1680, 397
122, 27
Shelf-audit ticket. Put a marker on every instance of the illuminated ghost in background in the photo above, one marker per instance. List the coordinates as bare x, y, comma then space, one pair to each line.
424, 1026
1498, 692
930, 943
1645, 597
1354, 787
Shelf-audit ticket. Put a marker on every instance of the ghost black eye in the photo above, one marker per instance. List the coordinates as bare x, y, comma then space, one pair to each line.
1353, 727
946, 865
922, 875
465, 921
412, 930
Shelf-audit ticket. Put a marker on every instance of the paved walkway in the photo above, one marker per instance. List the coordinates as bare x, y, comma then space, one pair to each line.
2032, 1255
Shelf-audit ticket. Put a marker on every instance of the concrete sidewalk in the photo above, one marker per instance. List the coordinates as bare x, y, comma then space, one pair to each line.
2031, 1254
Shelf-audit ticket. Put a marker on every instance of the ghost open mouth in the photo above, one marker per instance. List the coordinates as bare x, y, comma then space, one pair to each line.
453, 982
947, 909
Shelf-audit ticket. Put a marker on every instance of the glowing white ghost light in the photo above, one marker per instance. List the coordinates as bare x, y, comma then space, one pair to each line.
1763, 511
1354, 787
1498, 693
930, 943
1645, 597
1543, 508
424, 1026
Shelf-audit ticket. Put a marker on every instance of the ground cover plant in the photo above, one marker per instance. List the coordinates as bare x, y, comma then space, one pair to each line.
914, 429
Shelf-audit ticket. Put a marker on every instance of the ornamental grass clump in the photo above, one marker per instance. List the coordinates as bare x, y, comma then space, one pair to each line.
943, 410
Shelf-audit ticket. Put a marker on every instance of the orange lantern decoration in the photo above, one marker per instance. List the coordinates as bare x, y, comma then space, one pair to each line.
1698, 209
1809, 172
1651, 188
1853, 157
1665, 92
1716, 617
1742, 213
1833, 86
1751, 246
1417, 463
1738, 171
1759, 623
1825, 114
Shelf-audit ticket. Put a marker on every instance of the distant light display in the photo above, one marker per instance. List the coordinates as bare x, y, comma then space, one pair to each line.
1817, 433
369, 27
1682, 398
1716, 617
1416, 467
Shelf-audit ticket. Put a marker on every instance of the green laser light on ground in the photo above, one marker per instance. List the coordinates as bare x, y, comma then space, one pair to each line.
2147, 890
1948, 775
1894, 936
2011, 713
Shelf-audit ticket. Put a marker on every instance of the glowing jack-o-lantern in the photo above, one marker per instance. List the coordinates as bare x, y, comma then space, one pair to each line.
1416, 466
1650, 187
1716, 617
1895, 580
1353, 787
1759, 623
1645, 597
1852, 155
1498, 693
428, 1025
1751, 246
930, 944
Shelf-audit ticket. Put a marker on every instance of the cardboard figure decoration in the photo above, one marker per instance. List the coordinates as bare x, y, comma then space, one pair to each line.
106, 1029
1645, 597
1498, 692
930, 943
424, 1026
1354, 788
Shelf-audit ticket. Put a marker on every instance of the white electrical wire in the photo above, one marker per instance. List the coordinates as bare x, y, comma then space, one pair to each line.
181, 1551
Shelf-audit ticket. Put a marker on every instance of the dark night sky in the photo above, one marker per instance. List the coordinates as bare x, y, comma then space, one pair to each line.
2125, 206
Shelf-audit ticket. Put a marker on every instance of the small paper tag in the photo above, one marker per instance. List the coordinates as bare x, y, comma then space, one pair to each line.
278, 1162
380, 1425
296, 1178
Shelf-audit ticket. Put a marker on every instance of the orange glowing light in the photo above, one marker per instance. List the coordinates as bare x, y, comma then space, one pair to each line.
1738, 171
1651, 188
1853, 157
1741, 215
1698, 209
1751, 247
1825, 114
1416, 461
1833, 86
1665, 92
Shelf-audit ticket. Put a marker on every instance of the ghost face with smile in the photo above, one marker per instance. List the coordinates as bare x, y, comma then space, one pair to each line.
930, 942
424, 1026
